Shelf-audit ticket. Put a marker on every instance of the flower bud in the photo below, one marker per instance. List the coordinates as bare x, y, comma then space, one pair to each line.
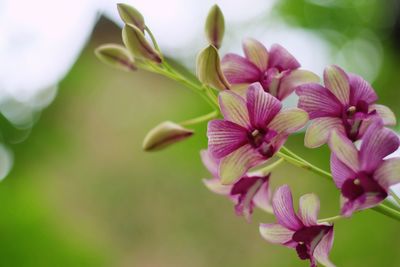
209, 68
165, 134
131, 15
215, 26
116, 56
137, 44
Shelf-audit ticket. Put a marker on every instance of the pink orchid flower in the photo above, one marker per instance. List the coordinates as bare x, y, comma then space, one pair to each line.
346, 104
253, 129
311, 240
249, 191
364, 176
276, 70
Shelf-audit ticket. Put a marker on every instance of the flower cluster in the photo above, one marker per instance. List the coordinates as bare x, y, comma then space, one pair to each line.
248, 129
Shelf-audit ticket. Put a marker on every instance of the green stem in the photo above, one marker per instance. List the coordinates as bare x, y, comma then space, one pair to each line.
331, 219
153, 39
305, 165
383, 209
267, 169
394, 195
199, 119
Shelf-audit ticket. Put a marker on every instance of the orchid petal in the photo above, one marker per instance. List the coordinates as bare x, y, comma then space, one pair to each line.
289, 121
340, 171
309, 209
388, 173
256, 53
224, 137
262, 106
360, 90
281, 59
263, 198
318, 132
377, 143
233, 166
385, 113
344, 150
282, 203
215, 186
337, 81
321, 251
234, 109
364, 202
296, 77
209, 162
238, 69
276, 233
318, 101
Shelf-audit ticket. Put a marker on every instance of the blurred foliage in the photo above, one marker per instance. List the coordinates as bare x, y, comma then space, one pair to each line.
82, 192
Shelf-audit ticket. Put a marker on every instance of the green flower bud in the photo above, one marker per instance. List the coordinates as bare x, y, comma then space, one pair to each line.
131, 15
137, 44
164, 135
209, 68
116, 56
215, 26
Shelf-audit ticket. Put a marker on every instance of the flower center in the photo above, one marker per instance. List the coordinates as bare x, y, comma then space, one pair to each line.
261, 140
353, 117
363, 184
270, 80
308, 238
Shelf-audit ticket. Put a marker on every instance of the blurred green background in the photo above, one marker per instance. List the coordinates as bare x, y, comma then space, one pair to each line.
82, 192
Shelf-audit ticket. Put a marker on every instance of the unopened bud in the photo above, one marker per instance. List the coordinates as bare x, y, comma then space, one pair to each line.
116, 56
209, 68
137, 44
215, 26
165, 134
131, 15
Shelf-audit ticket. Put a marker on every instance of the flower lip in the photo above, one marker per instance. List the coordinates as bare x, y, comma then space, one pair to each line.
308, 238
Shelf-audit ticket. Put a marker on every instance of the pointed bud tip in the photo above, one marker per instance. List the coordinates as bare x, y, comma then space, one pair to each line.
115, 56
137, 44
164, 135
215, 26
131, 15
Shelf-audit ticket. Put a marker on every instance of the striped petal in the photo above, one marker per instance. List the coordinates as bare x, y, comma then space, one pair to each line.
344, 150
377, 143
297, 77
236, 164
209, 162
238, 69
224, 137
340, 171
289, 121
262, 106
318, 132
263, 198
282, 204
361, 90
215, 186
322, 250
276, 233
281, 59
388, 173
233, 108
385, 113
318, 101
309, 209
256, 53
337, 81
